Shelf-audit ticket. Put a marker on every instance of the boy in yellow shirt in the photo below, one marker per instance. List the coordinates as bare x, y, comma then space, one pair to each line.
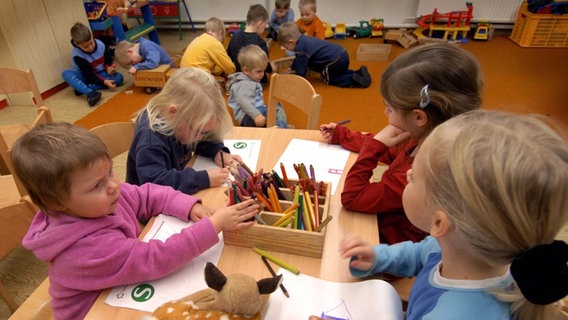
207, 51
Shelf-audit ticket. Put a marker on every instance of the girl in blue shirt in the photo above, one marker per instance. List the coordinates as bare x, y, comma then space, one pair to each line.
490, 188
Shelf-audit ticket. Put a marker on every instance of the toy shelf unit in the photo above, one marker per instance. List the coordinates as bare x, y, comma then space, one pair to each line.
147, 27
168, 9
540, 30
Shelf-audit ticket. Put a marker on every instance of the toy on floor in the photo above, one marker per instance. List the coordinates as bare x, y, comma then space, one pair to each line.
377, 26
228, 297
484, 30
153, 79
340, 31
452, 24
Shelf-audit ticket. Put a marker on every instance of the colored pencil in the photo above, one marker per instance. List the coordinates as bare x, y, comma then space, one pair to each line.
274, 276
276, 260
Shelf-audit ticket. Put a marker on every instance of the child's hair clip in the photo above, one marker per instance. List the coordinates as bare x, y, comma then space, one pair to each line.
424, 97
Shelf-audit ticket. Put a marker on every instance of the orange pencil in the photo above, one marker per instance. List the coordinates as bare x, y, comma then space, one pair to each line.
264, 201
274, 199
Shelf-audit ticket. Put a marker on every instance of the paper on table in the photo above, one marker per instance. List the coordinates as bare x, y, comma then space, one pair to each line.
328, 160
147, 296
369, 299
248, 150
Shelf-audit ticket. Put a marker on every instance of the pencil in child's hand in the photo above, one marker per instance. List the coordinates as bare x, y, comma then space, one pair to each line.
274, 275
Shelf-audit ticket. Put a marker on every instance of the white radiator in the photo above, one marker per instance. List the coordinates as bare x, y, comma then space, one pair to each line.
501, 11
226, 10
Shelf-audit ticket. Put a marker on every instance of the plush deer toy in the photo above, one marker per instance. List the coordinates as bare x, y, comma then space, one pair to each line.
237, 296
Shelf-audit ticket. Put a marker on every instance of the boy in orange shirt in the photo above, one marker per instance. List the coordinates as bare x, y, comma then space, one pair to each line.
309, 24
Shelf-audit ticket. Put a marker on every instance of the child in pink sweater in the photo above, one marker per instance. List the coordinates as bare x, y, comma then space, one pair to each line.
87, 228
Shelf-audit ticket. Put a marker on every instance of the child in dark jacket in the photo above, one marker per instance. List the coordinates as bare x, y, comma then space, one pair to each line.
189, 116
327, 58
93, 68
257, 18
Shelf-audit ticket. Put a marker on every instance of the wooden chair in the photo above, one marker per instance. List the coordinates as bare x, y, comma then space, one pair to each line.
10, 133
16, 219
14, 80
117, 136
296, 91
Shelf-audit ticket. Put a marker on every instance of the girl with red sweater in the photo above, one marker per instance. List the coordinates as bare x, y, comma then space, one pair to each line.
421, 88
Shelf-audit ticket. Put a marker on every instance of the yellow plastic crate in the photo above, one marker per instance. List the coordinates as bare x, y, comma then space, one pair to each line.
540, 30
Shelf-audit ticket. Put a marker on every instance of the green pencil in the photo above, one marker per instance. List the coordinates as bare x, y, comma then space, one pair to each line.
276, 260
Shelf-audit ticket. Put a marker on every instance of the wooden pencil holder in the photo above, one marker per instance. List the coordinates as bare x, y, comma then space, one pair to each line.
283, 239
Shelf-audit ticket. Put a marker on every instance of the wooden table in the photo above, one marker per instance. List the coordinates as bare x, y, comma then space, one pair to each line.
236, 259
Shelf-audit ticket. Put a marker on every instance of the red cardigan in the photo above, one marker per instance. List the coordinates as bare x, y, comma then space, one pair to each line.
383, 198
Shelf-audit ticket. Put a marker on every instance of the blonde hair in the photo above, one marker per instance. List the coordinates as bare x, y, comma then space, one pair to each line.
121, 53
198, 98
288, 31
80, 33
308, 3
445, 76
252, 56
502, 179
45, 158
215, 25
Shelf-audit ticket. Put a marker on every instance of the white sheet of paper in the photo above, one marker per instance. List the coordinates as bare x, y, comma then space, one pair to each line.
328, 160
369, 299
147, 296
248, 150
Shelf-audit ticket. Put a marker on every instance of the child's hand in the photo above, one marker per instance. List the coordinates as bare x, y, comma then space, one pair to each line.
260, 120
109, 83
227, 159
326, 131
132, 70
111, 69
199, 211
353, 246
391, 135
234, 217
217, 176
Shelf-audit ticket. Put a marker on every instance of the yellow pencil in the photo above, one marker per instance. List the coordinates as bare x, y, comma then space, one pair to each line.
287, 214
287, 221
276, 260
310, 210
306, 215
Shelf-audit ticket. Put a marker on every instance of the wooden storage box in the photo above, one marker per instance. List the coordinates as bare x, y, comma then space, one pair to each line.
155, 78
373, 52
540, 30
288, 240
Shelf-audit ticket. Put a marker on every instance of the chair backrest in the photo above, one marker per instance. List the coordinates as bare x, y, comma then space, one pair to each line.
117, 136
14, 80
12, 133
297, 91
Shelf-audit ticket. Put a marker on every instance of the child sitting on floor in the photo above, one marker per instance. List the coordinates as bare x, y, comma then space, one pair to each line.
93, 68
207, 51
309, 23
490, 189
88, 225
142, 54
257, 16
280, 15
245, 91
329, 59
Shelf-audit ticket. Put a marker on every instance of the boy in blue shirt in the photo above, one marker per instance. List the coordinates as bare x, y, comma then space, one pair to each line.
280, 15
327, 58
142, 54
93, 68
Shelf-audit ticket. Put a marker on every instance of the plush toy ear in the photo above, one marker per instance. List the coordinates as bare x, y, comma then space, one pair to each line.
214, 278
268, 285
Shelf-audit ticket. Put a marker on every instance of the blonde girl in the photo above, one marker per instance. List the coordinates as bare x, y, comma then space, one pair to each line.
490, 188
187, 117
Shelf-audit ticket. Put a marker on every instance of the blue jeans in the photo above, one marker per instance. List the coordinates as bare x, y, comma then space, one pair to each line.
76, 80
